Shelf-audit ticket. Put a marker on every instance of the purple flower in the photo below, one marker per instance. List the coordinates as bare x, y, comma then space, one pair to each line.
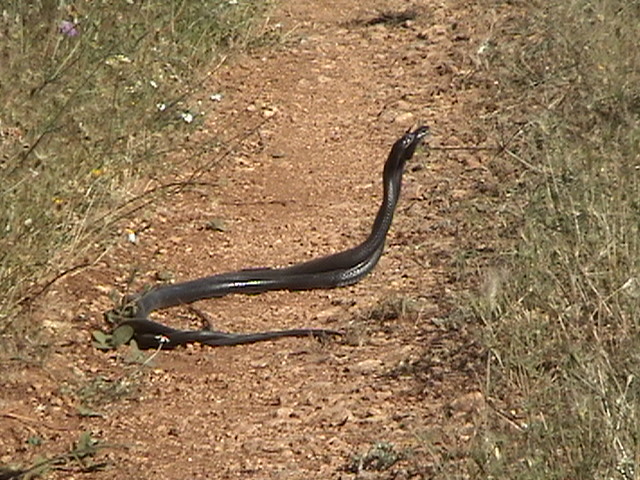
68, 28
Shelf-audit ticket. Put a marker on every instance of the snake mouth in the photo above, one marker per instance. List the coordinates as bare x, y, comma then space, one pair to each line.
422, 131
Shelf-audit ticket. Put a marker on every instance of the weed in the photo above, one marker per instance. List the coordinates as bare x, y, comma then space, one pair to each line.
391, 308
101, 390
381, 456
79, 457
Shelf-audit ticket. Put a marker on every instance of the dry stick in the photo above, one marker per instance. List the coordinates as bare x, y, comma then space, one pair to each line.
203, 316
150, 358
475, 148
523, 162
500, 148
507, 417
29, 421
165, 186
198, 172
516, 157
28, 298
58, 276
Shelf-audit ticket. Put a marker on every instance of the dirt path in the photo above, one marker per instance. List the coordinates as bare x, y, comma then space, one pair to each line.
346, 82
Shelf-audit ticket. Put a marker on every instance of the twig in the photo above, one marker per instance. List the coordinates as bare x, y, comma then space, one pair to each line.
77, 454
29, 420
497, 148
510, 419
30, 297
523, 162
150, 358
203, 316
198, 172
179, 186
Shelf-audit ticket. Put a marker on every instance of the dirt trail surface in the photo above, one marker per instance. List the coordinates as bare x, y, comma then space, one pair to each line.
314, 119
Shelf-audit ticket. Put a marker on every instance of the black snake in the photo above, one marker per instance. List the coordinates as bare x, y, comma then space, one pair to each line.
337, 270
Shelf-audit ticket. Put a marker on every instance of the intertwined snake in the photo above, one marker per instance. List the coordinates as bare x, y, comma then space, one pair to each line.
337, 270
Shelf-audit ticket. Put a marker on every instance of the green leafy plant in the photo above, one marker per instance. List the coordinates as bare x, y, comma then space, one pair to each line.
108, 341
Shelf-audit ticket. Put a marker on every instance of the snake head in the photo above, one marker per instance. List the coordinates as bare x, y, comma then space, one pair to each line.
405, 147
411, 140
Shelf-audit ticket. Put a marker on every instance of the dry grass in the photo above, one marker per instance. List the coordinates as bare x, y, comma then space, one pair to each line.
93, 95
560, 316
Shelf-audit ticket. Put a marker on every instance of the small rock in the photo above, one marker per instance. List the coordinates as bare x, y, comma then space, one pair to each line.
165, 275
366, 367
405, 118
269, 112
330, 314
336, 416
284, 412
216, 224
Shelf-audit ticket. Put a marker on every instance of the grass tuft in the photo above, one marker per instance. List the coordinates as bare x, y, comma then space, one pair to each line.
560, 319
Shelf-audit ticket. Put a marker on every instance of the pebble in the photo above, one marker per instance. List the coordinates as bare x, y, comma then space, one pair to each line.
366, 367
405, 118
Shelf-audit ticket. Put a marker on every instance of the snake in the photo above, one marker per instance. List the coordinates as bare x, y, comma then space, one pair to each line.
331, 271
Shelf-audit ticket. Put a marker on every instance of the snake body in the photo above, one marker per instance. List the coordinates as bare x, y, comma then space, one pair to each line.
337, 270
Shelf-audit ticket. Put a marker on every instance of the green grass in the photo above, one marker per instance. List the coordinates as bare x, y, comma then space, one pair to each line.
560, 321
85, 115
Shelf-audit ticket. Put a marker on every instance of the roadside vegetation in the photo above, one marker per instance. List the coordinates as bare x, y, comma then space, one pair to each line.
93, 95
560, 311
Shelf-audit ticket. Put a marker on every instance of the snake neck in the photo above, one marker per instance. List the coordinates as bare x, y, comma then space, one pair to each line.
384, 217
